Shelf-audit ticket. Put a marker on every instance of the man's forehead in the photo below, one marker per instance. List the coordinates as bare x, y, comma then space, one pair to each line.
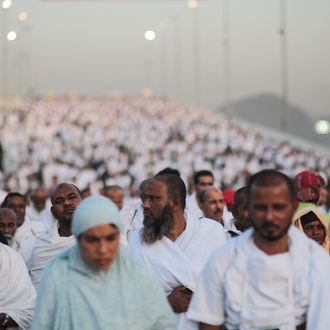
156, 186
16, 199
205, 178
64, 190
213, 194
7, 215
277, 190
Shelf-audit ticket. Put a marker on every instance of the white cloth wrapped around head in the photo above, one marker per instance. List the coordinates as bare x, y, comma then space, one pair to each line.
94, 211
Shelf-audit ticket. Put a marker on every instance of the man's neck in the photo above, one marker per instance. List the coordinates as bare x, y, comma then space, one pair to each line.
179, 225
64, 231
272, 247
238, 226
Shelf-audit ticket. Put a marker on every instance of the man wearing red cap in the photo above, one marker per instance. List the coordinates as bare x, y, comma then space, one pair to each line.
308, 186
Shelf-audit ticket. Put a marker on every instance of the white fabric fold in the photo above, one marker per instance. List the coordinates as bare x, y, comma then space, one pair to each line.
244, 288
29, 230
180, 262
17, 294
46, 247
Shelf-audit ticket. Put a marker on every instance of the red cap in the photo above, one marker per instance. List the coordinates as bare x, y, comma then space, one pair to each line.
228, 195
308, 184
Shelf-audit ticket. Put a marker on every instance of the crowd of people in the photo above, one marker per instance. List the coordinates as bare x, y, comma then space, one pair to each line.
225, 230
97, 142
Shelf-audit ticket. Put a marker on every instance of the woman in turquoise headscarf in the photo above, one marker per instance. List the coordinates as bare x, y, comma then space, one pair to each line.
97, 284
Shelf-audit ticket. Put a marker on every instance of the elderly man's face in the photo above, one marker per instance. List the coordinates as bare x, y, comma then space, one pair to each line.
271, 210
8, 225
213, 205
99, 246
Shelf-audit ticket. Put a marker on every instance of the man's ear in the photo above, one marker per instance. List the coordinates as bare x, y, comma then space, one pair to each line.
52, 210
175, 204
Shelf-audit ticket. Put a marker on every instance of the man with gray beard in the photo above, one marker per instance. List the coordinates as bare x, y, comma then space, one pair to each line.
8, 227
174, 244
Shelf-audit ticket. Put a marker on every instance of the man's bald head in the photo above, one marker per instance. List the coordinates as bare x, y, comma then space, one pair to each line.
61, 186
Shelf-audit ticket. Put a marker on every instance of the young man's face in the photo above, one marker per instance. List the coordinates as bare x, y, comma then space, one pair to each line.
65, 201
271, 210
204, 182
241, 214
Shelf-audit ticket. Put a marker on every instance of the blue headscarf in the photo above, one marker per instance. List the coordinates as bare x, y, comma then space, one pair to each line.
94, 211
73, 296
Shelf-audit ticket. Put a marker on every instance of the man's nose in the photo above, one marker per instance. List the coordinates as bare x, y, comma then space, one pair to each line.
270, 214
5, 230
146, 203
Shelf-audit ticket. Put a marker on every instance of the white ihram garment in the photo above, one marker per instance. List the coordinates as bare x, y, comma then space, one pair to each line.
29, 230
46, 247
246, 289
17, 294
181, 262
23, 248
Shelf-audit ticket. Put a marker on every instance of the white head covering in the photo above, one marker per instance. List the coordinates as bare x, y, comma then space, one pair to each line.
94, 211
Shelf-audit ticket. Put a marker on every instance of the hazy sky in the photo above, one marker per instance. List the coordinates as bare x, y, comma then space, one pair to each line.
98, 46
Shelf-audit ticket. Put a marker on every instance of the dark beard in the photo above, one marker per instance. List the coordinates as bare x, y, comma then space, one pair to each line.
155, 229
268, 237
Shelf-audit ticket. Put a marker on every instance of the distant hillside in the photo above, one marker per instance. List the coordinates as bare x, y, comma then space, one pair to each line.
266, 110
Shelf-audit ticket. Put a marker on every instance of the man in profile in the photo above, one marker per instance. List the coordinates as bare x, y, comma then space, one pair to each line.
270, 277
241, 221
173, 243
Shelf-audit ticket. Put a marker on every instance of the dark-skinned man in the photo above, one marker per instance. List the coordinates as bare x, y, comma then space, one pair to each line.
64, 198
26, 230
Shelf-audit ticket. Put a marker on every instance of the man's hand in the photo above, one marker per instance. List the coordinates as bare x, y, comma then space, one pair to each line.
179, 300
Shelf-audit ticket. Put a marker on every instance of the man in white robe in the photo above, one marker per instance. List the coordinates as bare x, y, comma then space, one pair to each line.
132, 216
270, 277
17, 294
8, 226
65, 198
240, 221
211, 202
202, 180
26, 229
39, 197
174, 244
